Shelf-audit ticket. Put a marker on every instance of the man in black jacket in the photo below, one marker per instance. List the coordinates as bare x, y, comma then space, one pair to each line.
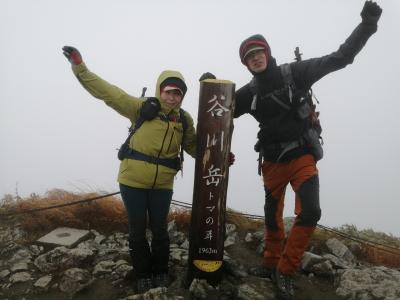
279, 98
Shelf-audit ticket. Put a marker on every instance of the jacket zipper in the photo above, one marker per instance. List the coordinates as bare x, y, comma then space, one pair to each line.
170, 141
158, 156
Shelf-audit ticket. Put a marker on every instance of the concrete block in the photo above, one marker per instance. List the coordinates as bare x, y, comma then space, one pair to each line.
64, 236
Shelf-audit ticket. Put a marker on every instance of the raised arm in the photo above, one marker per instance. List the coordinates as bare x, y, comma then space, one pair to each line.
116, 98
309, 71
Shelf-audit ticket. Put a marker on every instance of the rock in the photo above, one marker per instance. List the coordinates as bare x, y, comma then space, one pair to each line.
336, 262
369, 283
10, 234
43, 282
230, 228
118, 242
21, 266
246, 292
74, 280
340, 250
99, 239
62, 258
248, 238
200, 288
185, 244
288, 224
20, 277
259, 235
103, 267
36, 249
234, 268
177, 237
309, 260
123, 270
175, 255
323, 269
228, 289
4, 274
120, 263
21, 256
172, 226
260, 249
91, 245
231, 239
154, 294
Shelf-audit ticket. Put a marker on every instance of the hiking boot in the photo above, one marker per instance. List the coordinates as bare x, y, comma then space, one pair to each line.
143, 285
262, 272
285, 285
160, 280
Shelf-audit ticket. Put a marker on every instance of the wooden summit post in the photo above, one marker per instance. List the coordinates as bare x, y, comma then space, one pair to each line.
207, 228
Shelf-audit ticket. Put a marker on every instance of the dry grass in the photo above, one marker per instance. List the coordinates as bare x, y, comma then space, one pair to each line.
363, 251
243, 223
104, 215
376, 254
318, 240
390, 257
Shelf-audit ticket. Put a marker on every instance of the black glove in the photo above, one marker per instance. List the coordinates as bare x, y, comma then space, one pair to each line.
371, 13
207, 75
150, 108
231, 158
72, 54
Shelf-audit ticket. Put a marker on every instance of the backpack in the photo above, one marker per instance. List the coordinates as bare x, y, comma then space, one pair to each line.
126, 152
306, 110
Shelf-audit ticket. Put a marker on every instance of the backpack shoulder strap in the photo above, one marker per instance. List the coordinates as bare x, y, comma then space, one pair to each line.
253, 90
286, 73
287, 77
183, 120
184, 127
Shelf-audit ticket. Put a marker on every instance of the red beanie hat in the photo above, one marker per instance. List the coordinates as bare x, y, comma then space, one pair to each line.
255, 42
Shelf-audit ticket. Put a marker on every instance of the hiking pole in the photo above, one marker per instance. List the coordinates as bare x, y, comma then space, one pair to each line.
297, 54
297, 57
143, 92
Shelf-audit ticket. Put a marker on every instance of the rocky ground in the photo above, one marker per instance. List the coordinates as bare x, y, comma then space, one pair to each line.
98, 268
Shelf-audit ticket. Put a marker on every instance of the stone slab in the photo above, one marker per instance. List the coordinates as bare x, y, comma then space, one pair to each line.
64, 236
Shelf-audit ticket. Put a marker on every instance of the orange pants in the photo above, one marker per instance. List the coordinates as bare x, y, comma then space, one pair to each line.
302, 174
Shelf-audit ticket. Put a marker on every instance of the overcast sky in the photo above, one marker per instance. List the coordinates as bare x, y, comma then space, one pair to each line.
55, 135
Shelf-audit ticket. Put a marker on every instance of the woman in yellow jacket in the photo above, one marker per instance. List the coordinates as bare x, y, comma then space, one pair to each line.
146, 173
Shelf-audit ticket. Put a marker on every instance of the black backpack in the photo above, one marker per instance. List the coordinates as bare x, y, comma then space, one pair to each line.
126, 152
307, 109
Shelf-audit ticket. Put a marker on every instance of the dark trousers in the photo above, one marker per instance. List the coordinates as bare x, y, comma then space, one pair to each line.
150, 205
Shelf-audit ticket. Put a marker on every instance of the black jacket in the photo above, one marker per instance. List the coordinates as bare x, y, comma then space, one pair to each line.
277, 124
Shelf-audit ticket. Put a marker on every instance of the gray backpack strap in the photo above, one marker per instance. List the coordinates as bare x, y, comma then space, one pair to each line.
253, 89
184, 127
288, 81
286, 72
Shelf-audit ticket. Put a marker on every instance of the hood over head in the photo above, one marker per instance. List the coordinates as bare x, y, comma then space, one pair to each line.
170, 78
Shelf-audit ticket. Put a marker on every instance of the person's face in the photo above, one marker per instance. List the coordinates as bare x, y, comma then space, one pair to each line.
172, 98
256, 61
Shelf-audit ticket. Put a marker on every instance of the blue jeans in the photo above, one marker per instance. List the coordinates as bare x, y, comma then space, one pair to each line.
151, 204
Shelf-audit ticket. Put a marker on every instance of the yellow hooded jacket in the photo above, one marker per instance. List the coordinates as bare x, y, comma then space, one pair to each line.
157, 138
